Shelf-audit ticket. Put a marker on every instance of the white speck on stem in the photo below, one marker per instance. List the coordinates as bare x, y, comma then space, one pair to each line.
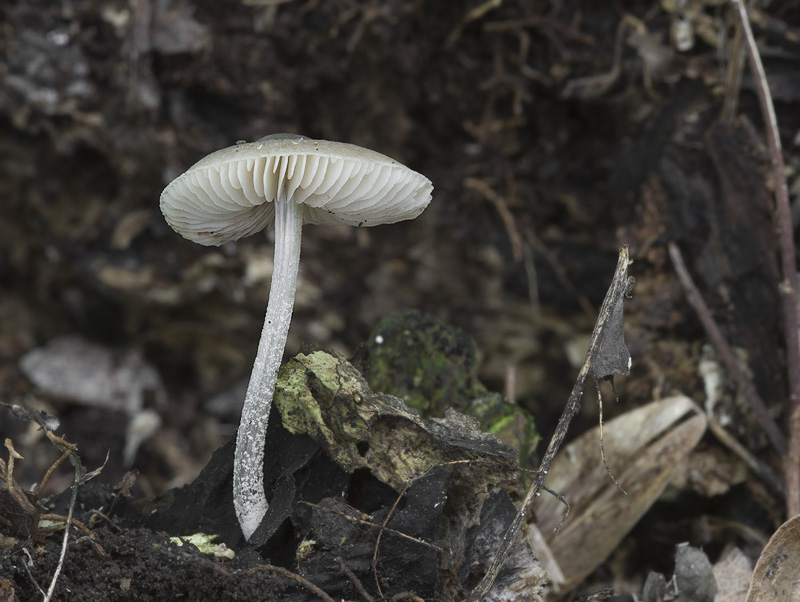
249, 498
379, 340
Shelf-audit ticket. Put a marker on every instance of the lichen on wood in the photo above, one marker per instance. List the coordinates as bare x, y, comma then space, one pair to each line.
455, 479
433, 366
322, 395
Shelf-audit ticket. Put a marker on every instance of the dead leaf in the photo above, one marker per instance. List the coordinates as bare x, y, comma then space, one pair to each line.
649, 443
129, 227
612, 356
711, 471
7, 591
777, 574
733, 574
694, 576
72, 368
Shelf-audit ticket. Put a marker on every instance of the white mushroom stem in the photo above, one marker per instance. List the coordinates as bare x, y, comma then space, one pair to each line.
249, 498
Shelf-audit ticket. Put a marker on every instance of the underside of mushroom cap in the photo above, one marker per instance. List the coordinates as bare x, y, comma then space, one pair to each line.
228, 194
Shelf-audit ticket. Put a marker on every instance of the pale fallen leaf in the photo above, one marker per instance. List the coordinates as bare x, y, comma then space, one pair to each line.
644, 447
72, 368
129, 227
732, 574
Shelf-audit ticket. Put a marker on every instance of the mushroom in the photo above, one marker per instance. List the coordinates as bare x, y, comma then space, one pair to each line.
289, 180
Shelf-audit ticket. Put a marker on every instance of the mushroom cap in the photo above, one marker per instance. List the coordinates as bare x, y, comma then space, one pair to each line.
229, 194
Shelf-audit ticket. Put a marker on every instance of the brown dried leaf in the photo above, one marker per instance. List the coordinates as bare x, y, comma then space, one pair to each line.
647, 443
128, 481
775, 578
711, 471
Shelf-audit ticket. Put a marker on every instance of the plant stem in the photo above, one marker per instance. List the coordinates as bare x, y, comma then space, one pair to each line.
249, 498
790, 287
744, 384
620, 286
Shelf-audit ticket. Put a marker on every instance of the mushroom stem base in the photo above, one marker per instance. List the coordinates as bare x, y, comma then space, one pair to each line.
249, 498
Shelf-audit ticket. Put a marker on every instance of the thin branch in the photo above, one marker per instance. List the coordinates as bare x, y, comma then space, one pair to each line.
26, 565
789, 286
745, 385
380, 534
353, 579
619, 285
38, 492
602, 442
760, 469
299, 579
105, 517
408, 596
503, 211
57, 518
13, 488
65, 542
733, 78
354, 519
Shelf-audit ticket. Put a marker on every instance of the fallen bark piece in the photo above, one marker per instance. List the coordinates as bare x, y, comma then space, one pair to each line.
521, 569
322, 395
452, 482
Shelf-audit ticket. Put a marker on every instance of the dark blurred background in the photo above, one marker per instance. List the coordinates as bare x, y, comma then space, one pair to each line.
553, 131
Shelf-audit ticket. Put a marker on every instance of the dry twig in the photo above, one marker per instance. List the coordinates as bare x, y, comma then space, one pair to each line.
745, 385
380, 534
503, 211
353, 579
30, 575
73, 498
362, 521
761, 469
789, 286
28, 508
620, 286
67, 451
299, 579
733, 78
